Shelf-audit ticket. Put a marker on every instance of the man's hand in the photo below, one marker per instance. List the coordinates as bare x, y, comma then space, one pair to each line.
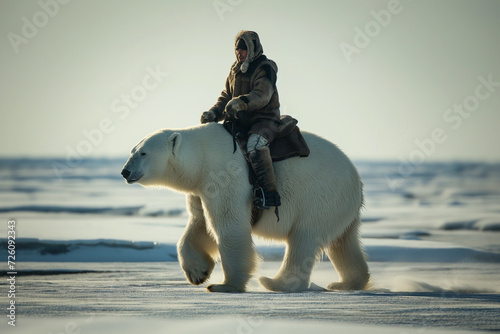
207, 117
235, 107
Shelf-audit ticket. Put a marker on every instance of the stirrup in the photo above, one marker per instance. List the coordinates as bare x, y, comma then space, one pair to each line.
265, 200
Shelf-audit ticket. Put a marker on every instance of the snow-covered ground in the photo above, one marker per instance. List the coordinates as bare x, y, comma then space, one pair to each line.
89, 246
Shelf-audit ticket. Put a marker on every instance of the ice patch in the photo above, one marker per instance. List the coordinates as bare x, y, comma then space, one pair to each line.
99, 250
143, 210
484, 224
399, 250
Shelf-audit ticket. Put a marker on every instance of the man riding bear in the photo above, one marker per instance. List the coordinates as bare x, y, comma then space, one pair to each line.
250, 104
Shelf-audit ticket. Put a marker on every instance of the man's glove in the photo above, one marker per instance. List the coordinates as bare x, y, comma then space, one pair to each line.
235, 107
207, 117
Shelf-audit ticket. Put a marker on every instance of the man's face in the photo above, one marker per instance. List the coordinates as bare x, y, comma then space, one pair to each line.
241, 55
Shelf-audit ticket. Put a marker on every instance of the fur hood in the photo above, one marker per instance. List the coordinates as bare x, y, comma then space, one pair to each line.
254, 48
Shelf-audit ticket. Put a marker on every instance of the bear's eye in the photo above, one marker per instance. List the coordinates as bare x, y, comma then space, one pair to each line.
143, 153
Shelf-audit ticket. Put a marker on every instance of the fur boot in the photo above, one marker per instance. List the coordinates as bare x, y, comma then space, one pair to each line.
265, 191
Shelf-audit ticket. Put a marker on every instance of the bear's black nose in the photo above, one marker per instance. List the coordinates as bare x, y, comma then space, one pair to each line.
125, 173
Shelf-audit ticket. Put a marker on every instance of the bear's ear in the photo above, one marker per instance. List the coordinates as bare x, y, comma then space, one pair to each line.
174, 142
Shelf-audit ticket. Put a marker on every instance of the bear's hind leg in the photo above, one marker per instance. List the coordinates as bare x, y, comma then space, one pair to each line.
295, 272
348, 258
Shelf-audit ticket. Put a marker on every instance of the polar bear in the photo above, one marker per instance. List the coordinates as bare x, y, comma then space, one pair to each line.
320, 211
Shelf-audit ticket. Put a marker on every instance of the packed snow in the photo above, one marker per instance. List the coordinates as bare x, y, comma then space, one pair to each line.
431, 234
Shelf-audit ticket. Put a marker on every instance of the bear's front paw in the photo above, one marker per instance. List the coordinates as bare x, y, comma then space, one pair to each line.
198, 270
197, 277
223, 288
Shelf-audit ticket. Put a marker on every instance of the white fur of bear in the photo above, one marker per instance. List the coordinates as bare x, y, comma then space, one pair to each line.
321, 197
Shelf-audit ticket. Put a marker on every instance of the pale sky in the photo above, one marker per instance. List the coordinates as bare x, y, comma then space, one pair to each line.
381, 79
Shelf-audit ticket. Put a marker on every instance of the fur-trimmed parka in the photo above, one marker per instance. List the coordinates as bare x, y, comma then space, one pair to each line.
253, 81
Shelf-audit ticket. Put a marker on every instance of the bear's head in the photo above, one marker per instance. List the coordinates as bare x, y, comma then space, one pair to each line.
150, 159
